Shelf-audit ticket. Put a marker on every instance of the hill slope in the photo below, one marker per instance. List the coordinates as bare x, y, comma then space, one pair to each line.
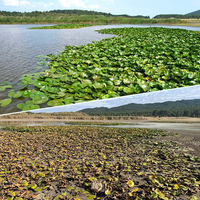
188, 108
194, 13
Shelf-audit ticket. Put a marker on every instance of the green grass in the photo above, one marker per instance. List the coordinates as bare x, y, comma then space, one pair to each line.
63, 26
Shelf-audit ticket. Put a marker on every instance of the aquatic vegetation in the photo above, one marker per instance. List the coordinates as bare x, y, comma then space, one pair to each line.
79, 162
63, 26
138, 60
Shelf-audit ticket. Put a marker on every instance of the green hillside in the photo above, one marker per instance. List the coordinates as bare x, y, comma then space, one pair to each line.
194, 13
187, 108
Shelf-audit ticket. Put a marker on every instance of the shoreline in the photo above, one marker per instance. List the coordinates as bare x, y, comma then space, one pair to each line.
160, 24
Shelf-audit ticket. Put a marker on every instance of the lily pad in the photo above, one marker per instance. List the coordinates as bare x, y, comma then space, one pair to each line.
5, 83
39, 97
4, 87
56, 102
15, 94
5, 102
28, 105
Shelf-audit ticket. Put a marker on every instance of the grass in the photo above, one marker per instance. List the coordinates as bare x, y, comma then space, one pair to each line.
77, 162
63, 26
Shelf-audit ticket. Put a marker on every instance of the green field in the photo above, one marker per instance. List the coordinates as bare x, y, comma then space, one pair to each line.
137, 60
73, 162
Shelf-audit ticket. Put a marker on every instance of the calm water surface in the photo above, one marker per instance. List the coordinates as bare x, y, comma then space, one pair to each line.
20, 46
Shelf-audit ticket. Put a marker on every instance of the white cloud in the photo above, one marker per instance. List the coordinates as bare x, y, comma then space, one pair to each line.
15, 3
68, 3
44, 4
77, 3
11, 2
22, 3
93, 6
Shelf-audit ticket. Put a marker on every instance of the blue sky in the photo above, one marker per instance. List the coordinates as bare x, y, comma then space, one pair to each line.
185, 93
130, 7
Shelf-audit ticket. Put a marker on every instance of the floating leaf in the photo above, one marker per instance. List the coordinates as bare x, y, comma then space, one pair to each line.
39, 97
56, 102
5, 83
15, 94
28, 105
128, 90
5, 102
3, 88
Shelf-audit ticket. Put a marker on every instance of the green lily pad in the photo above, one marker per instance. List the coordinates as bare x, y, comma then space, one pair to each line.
5, 102
26, 93
5, 83
39, 97
4, 87
28, 105
98, 85
56, 102
15, 94
128, 90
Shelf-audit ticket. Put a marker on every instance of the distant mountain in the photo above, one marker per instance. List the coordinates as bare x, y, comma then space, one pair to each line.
188, 108
194, 13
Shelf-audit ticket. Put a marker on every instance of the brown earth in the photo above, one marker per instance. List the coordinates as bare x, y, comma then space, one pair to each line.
187, 128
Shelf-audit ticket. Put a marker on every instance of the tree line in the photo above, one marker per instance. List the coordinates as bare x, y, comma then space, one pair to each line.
65, 12
184, 108
77, 16
177, 16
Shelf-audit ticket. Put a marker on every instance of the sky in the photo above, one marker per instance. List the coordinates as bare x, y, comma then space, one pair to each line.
185, 93
131, 7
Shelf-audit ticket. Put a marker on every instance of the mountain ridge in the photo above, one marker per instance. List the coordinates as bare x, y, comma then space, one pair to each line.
170, 108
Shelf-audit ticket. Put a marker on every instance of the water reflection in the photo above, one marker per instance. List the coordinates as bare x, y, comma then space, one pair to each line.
30, 123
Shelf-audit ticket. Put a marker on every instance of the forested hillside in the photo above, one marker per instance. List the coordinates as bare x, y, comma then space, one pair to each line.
184, 108
177, 16
194, 13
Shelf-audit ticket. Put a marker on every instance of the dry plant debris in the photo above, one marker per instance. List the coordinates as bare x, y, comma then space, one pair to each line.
80, 162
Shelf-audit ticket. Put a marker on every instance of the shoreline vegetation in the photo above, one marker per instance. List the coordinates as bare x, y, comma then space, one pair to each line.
63, 26
82, 117
94, 18
78, 16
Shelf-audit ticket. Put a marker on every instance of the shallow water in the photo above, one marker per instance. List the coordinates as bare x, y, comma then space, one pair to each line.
20, 46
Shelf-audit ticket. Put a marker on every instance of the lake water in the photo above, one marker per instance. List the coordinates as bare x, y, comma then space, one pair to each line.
20, 46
